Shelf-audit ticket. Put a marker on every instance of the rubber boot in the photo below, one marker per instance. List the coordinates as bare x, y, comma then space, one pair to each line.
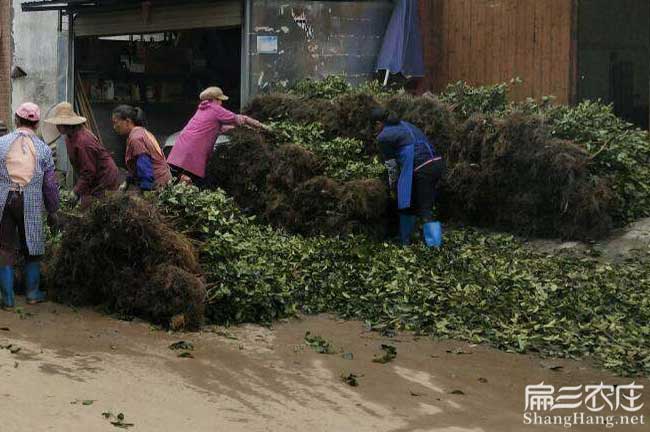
406, 225
7, 286
433, 234
32, 282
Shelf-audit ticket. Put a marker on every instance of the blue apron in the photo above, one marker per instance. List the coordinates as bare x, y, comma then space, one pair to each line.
406, 159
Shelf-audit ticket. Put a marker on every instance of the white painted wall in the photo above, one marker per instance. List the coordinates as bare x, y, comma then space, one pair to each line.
40, 52
36, 52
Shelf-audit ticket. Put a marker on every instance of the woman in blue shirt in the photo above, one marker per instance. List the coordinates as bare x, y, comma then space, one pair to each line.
405, 147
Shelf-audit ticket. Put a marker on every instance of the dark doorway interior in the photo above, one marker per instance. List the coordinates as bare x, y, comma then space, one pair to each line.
614, 56
162, 73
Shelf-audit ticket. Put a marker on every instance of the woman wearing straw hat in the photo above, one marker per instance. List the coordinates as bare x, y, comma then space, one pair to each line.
93, 163
196, 141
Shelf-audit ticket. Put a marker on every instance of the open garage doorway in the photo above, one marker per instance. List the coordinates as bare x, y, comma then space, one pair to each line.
614, 56
163, 73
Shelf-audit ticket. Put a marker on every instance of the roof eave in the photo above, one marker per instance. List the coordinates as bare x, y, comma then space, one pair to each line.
45, 5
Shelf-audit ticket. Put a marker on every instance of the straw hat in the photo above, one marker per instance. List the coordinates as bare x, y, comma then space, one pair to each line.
212, 93
63, 115
60, 114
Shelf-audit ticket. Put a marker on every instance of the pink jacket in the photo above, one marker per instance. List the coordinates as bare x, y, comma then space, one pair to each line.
195, 142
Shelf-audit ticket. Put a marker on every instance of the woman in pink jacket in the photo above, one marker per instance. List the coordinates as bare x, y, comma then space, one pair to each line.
195, 143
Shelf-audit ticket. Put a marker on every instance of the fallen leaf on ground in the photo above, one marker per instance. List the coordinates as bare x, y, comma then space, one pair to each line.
226, 334
348, 356
122, 425
182, 345
22, 314
11, 348
457, 392
350, 379
85, 402
458, 352
318, 344
482, 380
186, 354
117, 421
4, 329
415, 394
390, 352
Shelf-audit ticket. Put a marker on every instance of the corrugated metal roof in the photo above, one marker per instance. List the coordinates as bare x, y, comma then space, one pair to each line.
76, 5
71, 5
43, 5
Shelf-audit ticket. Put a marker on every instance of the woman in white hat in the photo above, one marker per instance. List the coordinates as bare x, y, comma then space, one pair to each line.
89, 158
196, 141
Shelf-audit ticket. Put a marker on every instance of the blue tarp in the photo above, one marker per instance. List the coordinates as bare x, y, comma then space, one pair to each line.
401, 50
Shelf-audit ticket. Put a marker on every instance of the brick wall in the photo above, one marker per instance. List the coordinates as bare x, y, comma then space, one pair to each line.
5, 60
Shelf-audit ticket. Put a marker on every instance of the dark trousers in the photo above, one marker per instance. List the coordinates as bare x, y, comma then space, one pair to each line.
423, 191
12, 231
196, 180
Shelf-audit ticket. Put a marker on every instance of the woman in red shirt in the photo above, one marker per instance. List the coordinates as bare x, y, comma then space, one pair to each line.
91, 161
144, 158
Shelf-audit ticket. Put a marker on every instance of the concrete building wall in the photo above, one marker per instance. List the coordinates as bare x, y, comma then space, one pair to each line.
35, 37
5, 60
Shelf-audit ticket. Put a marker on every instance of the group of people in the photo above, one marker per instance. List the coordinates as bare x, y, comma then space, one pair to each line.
29, 187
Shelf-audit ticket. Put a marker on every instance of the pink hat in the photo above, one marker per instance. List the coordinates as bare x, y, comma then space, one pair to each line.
29, 111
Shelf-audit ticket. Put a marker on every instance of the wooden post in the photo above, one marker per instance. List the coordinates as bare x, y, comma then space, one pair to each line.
574, 57
69, 178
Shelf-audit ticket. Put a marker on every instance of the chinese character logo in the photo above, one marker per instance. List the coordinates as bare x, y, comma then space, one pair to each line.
627, 397
539, 397
595, 397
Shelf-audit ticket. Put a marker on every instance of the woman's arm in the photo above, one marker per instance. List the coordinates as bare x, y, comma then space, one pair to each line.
87, 171
50, 184
144, 170
249, 121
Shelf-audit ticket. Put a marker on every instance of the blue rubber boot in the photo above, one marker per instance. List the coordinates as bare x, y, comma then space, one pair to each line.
32, 282
7, 286
406, 225
433, 234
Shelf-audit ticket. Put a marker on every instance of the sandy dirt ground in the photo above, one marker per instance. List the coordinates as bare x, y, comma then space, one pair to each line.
251, 378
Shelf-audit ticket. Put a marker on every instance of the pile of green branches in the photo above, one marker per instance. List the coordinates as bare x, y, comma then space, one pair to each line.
478, 287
